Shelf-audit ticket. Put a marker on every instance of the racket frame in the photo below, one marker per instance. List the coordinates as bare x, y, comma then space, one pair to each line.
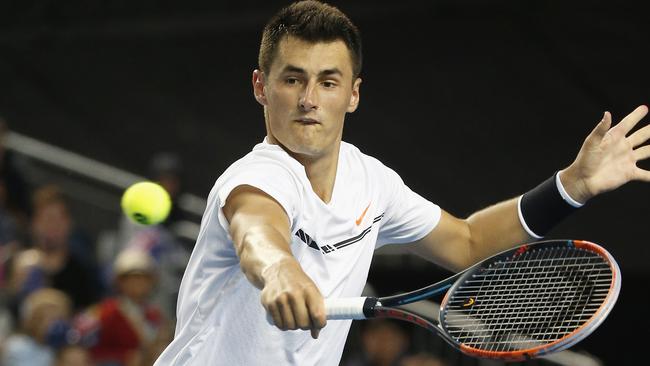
384, 307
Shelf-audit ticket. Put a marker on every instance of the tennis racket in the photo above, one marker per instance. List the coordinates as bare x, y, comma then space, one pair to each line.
522, 303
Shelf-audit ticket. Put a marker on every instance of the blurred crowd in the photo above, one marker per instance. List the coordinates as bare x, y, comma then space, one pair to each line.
66, 300
61, 302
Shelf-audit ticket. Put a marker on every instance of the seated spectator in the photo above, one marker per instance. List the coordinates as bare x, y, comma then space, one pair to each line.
132, 332
68, 259
43, 316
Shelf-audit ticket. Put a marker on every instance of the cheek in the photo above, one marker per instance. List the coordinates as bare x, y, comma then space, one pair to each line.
337, 103
281, 98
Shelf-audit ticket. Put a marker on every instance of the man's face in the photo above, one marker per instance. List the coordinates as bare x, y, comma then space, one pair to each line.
306, 95
51, 226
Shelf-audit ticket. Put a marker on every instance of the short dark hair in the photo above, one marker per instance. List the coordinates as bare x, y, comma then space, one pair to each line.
311, 21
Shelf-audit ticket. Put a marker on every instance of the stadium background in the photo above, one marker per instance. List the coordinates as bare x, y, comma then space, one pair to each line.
470, 101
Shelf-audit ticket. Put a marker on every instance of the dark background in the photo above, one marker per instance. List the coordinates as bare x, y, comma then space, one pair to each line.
470, 101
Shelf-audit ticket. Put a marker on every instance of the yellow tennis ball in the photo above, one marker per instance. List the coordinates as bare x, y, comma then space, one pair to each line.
146, 203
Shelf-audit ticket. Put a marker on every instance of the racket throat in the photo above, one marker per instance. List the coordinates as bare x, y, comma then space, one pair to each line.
369, 306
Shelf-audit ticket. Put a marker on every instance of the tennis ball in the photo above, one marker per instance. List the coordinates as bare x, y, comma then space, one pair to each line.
146, 203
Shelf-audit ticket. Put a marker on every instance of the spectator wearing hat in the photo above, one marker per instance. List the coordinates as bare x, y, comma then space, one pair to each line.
132, 331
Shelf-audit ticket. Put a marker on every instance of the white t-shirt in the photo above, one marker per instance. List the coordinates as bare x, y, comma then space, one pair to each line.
220, 320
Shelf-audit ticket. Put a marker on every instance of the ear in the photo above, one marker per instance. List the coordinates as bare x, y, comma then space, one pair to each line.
354, 98
258, 87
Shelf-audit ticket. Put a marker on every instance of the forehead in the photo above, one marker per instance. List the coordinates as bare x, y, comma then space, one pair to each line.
312, 57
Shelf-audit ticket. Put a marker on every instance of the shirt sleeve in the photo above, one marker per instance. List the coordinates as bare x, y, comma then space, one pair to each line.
408, 216
268, 176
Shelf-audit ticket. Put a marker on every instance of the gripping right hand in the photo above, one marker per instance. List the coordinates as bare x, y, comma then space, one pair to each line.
291, 298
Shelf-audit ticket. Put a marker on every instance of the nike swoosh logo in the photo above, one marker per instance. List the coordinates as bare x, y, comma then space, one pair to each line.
360, 219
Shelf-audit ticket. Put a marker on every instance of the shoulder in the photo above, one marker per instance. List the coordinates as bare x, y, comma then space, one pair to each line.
265, 160
373, 165
350, 152
267, 168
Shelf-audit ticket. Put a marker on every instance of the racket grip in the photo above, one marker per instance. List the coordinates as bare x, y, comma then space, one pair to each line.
346, 308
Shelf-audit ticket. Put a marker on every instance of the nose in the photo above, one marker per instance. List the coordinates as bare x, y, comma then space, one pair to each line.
309, 98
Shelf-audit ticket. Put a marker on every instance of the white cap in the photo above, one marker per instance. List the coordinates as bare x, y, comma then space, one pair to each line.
133, 260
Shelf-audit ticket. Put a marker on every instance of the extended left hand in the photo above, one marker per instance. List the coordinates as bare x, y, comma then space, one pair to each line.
608, 157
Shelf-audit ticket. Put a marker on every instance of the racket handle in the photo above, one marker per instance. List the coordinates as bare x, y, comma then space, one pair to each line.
349, 307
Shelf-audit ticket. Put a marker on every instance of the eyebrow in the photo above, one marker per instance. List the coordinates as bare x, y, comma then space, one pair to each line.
299, 70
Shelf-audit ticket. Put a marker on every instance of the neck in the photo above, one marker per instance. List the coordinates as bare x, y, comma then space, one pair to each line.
321, 170
321, 173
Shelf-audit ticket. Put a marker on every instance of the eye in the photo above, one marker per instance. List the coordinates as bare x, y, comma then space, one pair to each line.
291, 81
329, 84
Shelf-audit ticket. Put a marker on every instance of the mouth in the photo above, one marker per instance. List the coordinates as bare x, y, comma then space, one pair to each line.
307, 121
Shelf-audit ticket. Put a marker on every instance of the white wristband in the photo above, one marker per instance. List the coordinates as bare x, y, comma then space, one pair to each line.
523, 222
564, 193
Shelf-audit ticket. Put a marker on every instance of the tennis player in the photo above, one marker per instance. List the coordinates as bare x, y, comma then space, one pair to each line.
298, 218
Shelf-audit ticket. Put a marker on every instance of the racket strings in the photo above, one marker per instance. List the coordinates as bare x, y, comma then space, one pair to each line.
528, 300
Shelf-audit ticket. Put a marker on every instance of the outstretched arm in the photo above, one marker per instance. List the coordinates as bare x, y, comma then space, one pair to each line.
260, 231
607, 160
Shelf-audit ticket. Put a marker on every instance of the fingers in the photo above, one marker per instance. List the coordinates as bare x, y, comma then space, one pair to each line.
640, 136
287, 313
642, 153
642, 175
628, 123
317, 317
300, 314
298, 310
274, 313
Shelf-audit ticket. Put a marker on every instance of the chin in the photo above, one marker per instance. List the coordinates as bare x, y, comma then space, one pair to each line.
305, 149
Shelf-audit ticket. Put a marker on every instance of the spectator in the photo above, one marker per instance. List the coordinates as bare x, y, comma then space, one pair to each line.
43, 316
68, 258
132, 331
24, 276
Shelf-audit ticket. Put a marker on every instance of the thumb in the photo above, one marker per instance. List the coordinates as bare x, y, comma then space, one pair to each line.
601, 128
315, 333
